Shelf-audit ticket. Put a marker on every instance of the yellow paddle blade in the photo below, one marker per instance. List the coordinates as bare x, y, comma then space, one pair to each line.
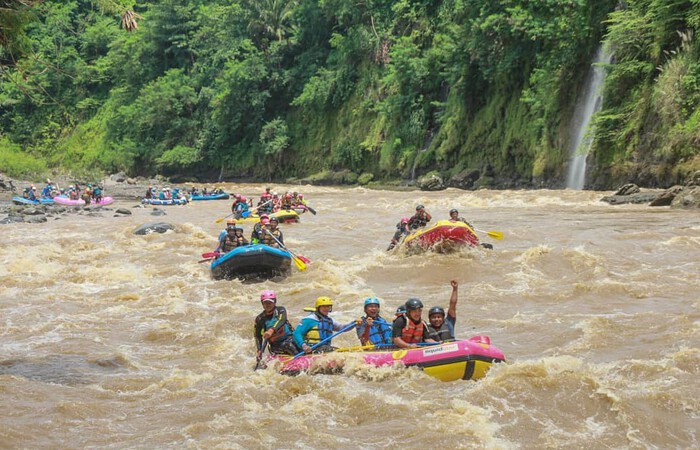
354, 349
495, 234
299, 263
220, 219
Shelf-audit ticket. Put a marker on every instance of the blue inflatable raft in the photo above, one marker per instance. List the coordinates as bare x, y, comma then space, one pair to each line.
223, 196
252, 261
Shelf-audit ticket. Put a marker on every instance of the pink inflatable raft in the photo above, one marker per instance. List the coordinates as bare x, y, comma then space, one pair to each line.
456, 360
80, 202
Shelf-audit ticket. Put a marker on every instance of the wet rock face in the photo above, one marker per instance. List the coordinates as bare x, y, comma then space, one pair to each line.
693, 180
632, 198
465, 179
628, 189
148, 228
431, 182
687, 199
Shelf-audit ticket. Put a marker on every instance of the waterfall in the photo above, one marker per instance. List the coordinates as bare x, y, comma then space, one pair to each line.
589, 102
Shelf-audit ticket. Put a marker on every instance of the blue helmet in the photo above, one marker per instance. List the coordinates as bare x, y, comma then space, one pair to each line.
371, 301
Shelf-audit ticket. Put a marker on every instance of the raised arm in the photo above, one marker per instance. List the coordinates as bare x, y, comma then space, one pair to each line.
452, 310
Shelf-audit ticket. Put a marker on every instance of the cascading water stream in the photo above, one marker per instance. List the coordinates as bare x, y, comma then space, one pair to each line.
589, 103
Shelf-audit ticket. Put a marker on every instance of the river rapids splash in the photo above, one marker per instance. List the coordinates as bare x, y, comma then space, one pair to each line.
113, 340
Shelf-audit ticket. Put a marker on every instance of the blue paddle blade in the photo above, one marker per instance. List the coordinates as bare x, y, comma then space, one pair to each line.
245, 214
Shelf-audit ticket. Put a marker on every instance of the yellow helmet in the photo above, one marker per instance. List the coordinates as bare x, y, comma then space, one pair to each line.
323, 301
231, 221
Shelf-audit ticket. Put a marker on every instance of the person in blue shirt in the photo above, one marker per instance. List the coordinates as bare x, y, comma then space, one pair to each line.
372, 328
442, 326
316, 327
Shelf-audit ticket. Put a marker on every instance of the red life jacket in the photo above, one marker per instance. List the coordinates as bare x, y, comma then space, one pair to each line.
412, 332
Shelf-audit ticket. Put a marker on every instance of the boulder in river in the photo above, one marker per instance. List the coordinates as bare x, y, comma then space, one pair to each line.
148, 228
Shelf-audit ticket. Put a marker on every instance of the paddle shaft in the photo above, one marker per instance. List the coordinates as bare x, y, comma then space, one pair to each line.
299, 263
315, 346
262, 350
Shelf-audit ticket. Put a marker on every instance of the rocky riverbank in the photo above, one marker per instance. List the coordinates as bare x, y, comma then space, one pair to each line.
681, 197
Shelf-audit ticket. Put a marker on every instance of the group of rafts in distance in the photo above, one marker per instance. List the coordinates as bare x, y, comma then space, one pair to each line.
408, 341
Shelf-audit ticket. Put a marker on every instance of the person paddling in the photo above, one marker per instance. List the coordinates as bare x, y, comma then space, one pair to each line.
272, 326
402, 230
273, 234
454, 217
316, 327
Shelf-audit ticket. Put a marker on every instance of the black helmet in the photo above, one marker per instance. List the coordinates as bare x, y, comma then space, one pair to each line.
453, 211
413, 303
436, 310
419, 207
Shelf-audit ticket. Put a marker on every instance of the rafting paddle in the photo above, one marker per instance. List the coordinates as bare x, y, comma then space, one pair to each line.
259, 358
494, 234
348, 327
301, 265
221, 219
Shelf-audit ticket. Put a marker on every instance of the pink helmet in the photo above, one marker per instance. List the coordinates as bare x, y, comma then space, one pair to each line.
243, 198
405, 220
236, 195
268, 296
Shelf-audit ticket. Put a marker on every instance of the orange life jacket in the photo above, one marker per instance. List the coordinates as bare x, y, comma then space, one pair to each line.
412, 332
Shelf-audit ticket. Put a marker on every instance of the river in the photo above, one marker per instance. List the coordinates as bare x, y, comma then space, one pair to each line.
113, 340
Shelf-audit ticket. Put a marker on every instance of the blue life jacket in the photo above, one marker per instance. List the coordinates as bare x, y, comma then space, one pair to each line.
380, 332
325, 326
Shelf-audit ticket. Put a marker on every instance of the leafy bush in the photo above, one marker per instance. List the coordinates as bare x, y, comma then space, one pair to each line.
15, 163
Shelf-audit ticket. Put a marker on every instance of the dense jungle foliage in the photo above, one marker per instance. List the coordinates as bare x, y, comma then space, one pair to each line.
481, 91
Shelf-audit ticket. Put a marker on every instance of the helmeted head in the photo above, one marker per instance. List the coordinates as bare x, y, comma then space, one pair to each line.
420, 208
269, 300
288, 196
400, 310
405, 220
372, 306
243, 199
436, 315
301, 196
230, 229
239, 231
264, 216
414, 308
268, 296
454, 213
274, 222
237, 196
265, 221
231, 221
324, 305
295, 193
267, 189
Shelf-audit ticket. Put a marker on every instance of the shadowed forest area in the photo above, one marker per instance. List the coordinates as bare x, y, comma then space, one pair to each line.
479, 92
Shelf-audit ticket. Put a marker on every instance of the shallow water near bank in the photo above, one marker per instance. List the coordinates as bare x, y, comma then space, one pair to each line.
114, 340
